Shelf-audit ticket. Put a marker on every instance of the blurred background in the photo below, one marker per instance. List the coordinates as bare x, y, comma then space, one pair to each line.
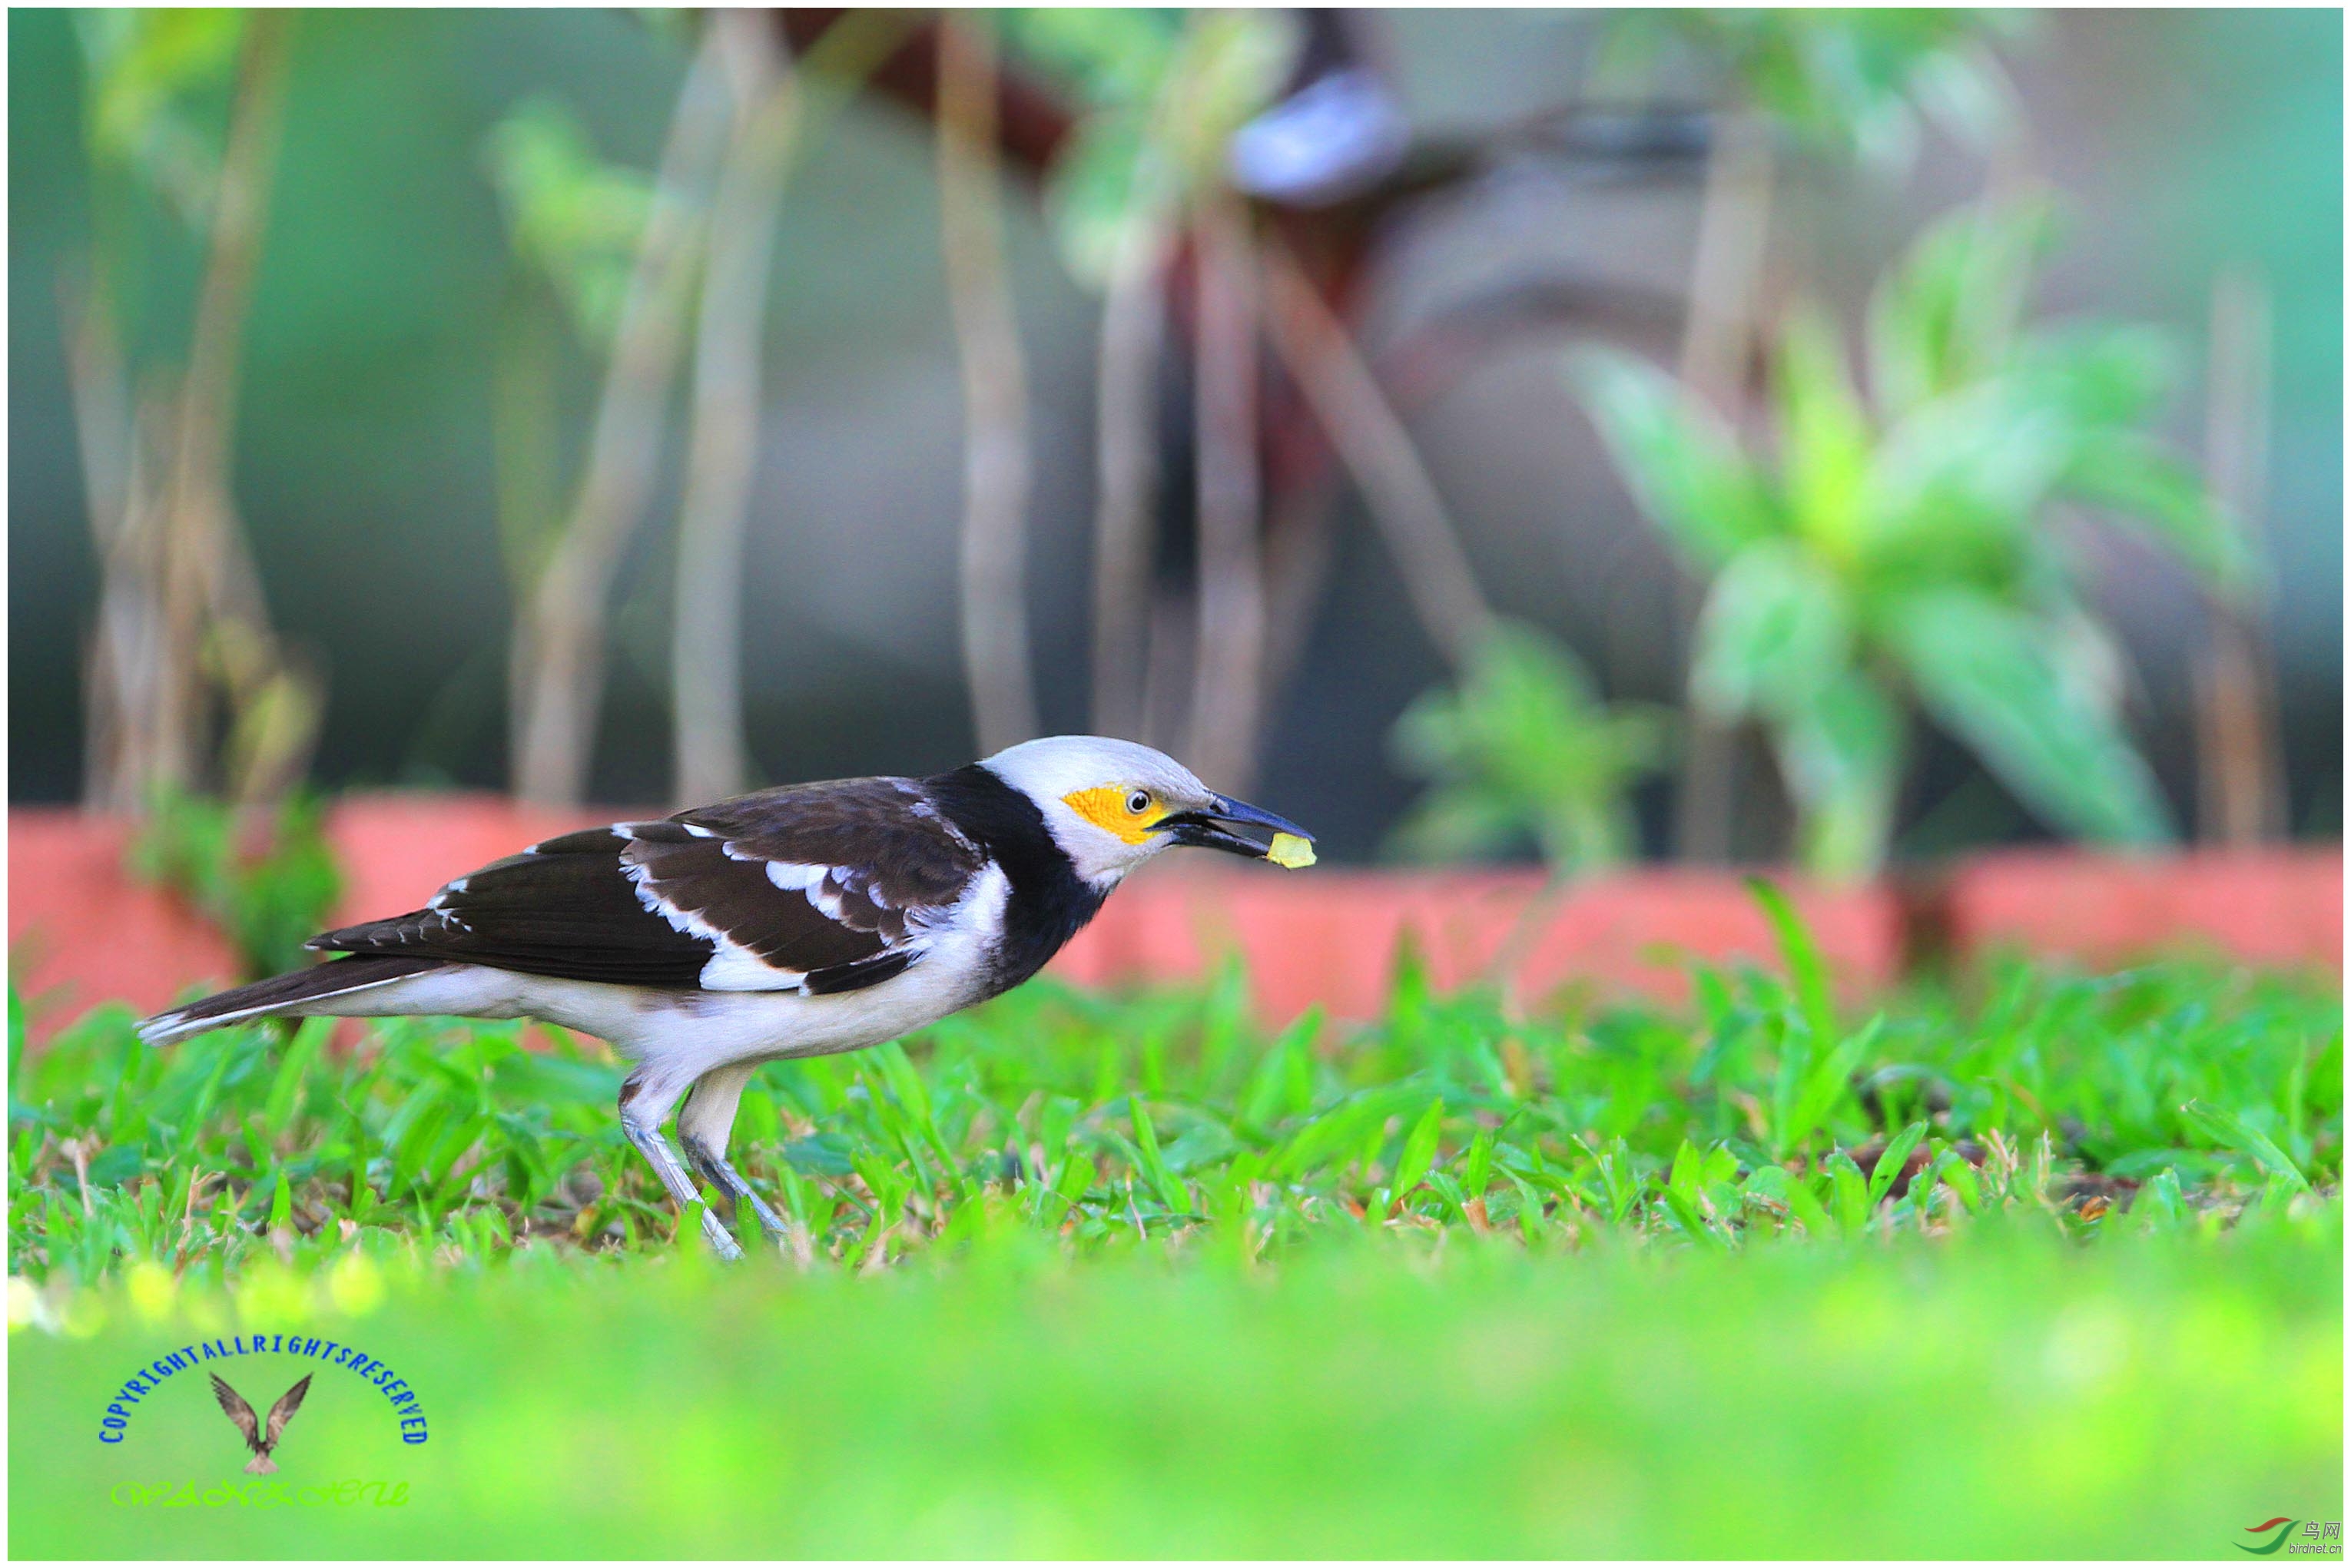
1848, 437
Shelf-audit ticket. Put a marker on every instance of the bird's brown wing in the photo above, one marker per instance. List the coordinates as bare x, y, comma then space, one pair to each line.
814, 888
283, 1411
240, 1412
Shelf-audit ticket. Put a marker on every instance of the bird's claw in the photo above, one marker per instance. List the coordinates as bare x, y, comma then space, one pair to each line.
713, 1230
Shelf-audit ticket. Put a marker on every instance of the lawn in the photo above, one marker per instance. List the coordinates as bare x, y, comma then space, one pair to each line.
2032, 1263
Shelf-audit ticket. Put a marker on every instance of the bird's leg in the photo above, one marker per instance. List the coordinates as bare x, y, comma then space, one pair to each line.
703, 1128
716, 1171
641, 1115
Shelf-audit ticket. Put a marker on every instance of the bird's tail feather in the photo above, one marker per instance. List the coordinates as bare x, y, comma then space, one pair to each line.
260, 1465
296, 993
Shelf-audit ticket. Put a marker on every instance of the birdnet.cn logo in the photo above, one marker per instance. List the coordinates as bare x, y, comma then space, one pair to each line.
2294, 1537
261, 1383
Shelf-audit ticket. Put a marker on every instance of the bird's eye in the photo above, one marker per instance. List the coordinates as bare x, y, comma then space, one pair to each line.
1139, 802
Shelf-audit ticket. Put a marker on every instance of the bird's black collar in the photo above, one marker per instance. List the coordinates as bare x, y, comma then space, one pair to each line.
1049, 901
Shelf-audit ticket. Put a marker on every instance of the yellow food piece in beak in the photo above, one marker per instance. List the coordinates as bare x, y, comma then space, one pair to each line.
1290, 850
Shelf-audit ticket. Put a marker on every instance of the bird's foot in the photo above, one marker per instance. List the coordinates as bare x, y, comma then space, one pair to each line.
716, 1169
713, 1230
648, 1141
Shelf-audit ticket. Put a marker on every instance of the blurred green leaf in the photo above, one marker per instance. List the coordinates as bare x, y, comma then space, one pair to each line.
145, 68
1823, 1084
1825, 435
1090, 195
1806, 972
1945, 315
2131, 476
1840, 753
1166, 92
1525, 747
1856, 82
1960, 1177
1418, 1154
1956, 488
2233, 1130
1989, 675
2099, 374
1684, 466
573, 219
1870, 554
1116, 56
1889, 1169
1164, 1182
266, 881
1775, 631
1477, 1164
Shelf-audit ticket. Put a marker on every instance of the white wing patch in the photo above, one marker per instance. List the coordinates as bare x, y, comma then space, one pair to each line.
821, 884
733, 968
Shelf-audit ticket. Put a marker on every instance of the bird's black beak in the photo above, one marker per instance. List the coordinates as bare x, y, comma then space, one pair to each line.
1238, 827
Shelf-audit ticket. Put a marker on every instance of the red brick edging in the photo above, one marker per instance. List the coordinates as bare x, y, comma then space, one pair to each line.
80, 931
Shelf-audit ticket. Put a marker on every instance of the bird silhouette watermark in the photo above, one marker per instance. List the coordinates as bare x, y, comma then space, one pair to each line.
261, 1440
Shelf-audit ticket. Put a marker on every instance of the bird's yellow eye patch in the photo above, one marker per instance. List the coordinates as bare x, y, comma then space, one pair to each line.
1126, 814
1291, 851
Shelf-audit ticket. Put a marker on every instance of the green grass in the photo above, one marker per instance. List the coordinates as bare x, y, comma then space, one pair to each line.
1174, 1122
1077, 1275
2007, 1392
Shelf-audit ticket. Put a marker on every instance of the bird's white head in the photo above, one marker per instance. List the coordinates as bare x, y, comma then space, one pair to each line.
1112, 805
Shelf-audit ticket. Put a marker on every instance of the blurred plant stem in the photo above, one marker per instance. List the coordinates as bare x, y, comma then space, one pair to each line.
181, 621
1133, 336
118, 677
1302, 536
712, 756
995, 387
779, 111
527, 426
1143, 180
1717, 335
1378, 451
1169, 638
1228, 663
559, 654
2241, 794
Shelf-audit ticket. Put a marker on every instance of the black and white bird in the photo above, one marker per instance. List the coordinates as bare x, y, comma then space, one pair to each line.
793, 922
